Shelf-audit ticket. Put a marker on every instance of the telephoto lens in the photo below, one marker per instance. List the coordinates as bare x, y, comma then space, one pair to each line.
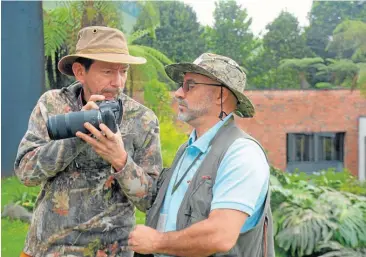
63, 126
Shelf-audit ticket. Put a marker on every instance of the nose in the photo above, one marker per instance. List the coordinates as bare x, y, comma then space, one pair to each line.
179, 93
117, 80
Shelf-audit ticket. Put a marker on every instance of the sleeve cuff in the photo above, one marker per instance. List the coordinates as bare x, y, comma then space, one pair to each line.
130, 165
234, 206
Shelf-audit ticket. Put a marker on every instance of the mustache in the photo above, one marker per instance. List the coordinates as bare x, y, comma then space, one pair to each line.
181, 102
111, 90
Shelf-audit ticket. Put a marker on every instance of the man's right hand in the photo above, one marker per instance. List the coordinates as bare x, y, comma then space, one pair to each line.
91, 102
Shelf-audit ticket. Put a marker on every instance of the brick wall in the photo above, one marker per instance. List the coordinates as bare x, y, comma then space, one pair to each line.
288, 111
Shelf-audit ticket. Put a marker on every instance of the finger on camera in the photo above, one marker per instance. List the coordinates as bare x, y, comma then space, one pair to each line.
86, 138
90, 106
94, 131
108, 133
91, 102
95, 98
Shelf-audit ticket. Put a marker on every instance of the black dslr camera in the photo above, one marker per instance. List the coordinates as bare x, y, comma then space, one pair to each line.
66, 125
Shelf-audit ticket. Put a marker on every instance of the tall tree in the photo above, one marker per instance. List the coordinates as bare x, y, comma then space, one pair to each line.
284, 40
231, 35
179, 34
349, 40
325, 16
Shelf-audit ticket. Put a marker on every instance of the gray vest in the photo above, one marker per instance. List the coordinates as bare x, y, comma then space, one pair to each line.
196, 204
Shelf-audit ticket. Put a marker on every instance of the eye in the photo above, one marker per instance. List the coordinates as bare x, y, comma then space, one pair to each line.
107, 72
190, 85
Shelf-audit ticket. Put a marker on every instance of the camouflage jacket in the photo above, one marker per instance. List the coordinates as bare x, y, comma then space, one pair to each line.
85, 208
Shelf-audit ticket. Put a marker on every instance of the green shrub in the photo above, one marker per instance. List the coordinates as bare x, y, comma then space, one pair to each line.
342, 181
14, 192
171, 139
311, 217
158, 99
324, 85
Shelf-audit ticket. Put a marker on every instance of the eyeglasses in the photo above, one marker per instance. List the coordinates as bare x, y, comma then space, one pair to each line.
189, 85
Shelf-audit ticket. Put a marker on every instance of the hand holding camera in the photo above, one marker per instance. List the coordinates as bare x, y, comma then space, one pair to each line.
66, 125
91, 104
101, 119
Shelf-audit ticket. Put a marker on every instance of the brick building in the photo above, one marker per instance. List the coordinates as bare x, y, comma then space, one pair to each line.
310, 129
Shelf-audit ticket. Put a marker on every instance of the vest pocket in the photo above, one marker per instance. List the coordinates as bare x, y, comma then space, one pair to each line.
200, 201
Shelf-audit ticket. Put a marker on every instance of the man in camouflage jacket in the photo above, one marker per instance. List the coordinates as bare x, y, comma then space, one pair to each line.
89, 183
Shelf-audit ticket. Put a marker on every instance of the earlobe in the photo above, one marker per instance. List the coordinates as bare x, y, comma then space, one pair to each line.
218, 98
222, 92
78, 71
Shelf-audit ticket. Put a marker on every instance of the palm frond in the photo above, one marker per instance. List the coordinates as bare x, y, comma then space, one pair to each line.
156, 54
335, 249
150, 16
302, 229
55, 32
299, 64
137, 35
152, 56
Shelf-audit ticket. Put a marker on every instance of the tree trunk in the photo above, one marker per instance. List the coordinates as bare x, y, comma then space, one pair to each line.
51, 78
304, 84
58, 74
354, 81
131, 84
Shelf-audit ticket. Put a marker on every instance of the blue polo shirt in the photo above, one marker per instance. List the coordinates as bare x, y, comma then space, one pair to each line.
241, 182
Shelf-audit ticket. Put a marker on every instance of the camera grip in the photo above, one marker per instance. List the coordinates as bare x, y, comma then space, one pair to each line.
109, 120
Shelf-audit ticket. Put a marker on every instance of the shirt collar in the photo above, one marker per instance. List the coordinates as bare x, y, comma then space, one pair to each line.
203, 142
81, 101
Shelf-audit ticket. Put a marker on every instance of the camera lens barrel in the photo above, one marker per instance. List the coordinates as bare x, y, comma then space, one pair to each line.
66, 125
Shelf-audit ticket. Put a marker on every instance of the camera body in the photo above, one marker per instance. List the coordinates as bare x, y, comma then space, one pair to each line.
63, 126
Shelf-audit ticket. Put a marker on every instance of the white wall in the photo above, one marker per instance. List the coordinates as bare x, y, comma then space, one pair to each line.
361, 149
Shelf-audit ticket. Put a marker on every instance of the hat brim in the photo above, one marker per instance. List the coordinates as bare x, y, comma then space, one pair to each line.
65, 64
245, 108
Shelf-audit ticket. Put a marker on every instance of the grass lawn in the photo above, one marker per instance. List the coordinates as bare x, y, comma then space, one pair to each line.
13, 232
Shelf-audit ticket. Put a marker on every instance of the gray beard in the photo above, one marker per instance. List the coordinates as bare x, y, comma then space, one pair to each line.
192, 114
199, 110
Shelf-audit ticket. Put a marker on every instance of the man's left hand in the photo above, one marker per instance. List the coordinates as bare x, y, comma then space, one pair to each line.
144, 239
108, 146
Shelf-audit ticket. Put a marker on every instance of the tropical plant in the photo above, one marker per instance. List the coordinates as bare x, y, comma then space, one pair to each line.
310, 220
158, 99
140, 75
349, 40
27, 199
302, 66
340, 72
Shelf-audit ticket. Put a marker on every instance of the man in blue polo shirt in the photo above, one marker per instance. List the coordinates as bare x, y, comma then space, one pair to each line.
228, 210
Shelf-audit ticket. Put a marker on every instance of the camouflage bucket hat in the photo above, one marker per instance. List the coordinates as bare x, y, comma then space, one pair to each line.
222, 69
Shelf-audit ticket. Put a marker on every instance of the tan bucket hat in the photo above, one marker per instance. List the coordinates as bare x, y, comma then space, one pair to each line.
222, 69
101, 44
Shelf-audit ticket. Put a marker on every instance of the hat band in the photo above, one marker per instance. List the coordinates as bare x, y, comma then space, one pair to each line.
103, 50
